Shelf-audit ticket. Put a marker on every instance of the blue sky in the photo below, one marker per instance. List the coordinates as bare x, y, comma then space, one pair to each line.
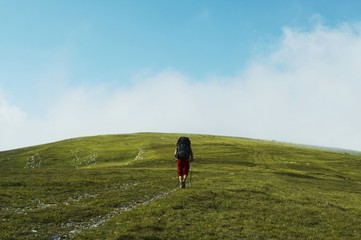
65, 62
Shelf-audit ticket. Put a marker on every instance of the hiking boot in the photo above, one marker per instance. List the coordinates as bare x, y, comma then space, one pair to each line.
184, 184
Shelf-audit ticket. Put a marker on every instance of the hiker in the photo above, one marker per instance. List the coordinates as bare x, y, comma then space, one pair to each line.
184, 155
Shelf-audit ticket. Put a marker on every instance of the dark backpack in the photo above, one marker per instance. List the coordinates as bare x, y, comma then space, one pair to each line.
183, 148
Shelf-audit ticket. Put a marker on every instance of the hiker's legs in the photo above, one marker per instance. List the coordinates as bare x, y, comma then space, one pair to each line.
180, 179
183, 168
185, 172
180, 172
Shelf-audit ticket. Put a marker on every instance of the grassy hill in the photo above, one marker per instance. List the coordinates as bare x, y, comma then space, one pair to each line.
126, 187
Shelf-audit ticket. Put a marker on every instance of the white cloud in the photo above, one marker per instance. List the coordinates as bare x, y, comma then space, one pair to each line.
315, 79
9, 114
305, 91
11, 123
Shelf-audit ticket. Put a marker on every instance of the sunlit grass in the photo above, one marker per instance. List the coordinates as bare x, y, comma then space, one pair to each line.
125, 187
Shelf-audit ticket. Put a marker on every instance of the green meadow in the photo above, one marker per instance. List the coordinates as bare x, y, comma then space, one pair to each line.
126, 187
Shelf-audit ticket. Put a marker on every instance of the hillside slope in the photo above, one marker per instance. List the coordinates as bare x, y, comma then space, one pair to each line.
125, 187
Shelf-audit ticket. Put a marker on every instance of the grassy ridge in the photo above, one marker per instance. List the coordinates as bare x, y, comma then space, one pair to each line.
125, 187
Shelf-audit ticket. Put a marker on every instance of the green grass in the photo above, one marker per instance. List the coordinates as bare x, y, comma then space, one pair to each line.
125, 187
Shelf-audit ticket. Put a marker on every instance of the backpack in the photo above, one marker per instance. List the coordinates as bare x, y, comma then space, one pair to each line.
183, 148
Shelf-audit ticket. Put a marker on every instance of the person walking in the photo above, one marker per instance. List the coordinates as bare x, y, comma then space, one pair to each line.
184, 155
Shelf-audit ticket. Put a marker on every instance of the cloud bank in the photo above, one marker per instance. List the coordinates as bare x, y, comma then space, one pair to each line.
306, 90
